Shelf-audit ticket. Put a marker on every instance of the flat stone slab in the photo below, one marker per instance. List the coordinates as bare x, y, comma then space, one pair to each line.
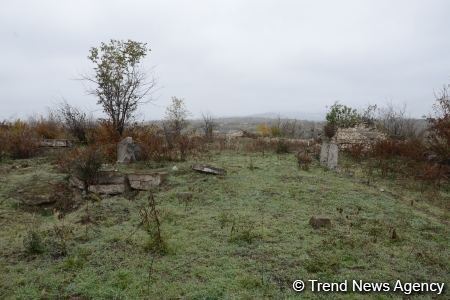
108, 189
146, 181
56, 143
208, 169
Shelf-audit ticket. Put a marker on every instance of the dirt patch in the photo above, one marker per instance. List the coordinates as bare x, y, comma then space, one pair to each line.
48, 197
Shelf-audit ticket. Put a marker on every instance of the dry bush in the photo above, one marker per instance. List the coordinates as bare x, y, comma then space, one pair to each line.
152, 142
105, 138
48, 128
439, 128
433, 174
84, 163
304, 160
356, 151
329, 130
282, 147
18, 140
395, 122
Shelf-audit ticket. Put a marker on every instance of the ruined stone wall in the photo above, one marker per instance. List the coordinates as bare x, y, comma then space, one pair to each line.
357, 135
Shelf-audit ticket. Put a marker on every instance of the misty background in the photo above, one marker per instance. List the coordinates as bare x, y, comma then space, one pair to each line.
231, 58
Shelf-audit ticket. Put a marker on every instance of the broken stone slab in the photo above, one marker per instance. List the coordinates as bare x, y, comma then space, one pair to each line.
146, 181
76, 182
107, 189
319, 222
56, 143
208, 169
114, 182
107, 182
128, 151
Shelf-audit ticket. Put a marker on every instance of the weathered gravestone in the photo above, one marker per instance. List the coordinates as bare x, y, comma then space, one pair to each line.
329, 155
146, 181
127, 151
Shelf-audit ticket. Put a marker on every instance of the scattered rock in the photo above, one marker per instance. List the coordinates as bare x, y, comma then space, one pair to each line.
146, 181
174, 168
128, 151
381, 190
209, 169
318, 222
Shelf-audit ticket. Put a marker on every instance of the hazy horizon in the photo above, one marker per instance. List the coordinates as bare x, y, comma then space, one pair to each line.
234, 58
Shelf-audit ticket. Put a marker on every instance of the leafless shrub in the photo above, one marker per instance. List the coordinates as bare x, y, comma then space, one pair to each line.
304, 160
150, 220
76, 122
208, 126
395, 123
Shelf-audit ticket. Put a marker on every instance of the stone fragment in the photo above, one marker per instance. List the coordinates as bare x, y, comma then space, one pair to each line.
208, 169
146, 181
319, 222
108, 189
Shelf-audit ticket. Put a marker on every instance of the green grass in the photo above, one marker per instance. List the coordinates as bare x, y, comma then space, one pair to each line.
243, 236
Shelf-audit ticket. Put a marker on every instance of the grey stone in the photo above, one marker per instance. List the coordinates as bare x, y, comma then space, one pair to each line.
146, 181
333, 151
209, 169
128, 151
329, 155
108, 189
55, 143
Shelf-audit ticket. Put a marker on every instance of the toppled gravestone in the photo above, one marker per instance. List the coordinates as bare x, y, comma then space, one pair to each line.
208, 169
128, 151
319, 222
146, 181
114, 182
329, 155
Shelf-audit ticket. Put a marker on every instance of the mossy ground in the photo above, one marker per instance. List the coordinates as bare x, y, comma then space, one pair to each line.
243, 236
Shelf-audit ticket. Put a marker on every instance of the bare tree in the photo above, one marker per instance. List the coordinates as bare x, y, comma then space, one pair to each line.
175, 120
120, 83
208, 126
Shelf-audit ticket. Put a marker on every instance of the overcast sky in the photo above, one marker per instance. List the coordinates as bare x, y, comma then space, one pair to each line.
231, 57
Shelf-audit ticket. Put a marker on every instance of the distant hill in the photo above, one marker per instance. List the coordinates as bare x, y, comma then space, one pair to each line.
305, 116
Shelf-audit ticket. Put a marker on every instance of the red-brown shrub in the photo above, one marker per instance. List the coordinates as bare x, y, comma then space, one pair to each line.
48, 128
18, 140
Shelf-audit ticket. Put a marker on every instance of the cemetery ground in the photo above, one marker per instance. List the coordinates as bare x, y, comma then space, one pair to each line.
243, 235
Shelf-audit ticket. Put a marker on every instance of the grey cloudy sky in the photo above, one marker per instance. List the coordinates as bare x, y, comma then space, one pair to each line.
231, 57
